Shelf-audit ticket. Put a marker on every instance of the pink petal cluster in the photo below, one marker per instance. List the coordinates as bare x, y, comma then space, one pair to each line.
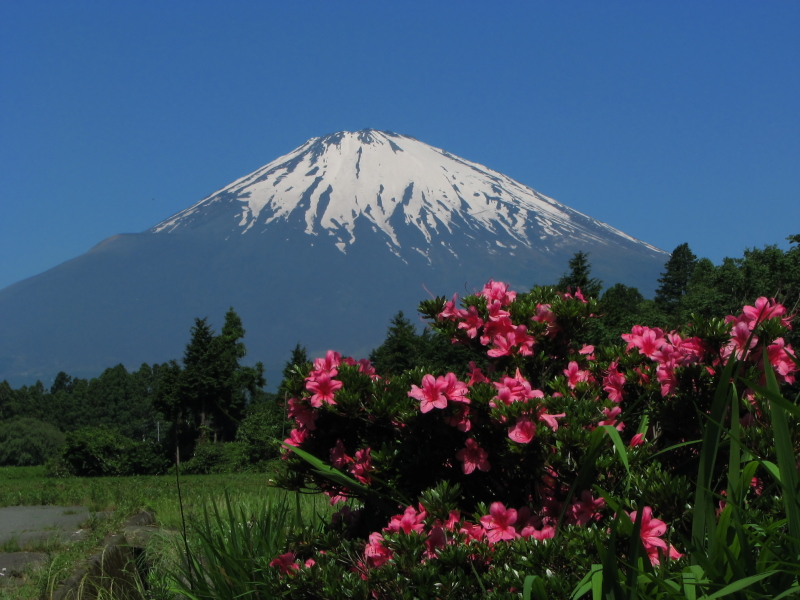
651, 533
473, 457
436, 392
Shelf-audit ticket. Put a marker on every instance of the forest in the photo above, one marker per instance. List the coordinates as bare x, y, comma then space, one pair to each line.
211, 413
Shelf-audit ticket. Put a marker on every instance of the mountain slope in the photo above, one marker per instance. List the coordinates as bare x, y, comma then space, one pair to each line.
320, 246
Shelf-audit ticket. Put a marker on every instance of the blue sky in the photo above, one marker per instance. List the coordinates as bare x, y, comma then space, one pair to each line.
672, 121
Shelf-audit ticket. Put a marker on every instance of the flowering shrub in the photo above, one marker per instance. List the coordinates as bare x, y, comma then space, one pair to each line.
515, 463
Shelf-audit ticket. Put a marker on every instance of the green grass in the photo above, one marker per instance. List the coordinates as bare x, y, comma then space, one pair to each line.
122, 497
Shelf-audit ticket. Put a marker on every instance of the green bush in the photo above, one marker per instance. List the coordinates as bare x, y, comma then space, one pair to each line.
27, 442
216, 457
104, 452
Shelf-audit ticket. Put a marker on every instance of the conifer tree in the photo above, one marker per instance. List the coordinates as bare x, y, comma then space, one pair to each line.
579, 276
399, 350
675, 279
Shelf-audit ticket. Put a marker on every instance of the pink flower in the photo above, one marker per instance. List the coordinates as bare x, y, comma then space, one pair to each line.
651, 532
499, 523
339, 458
285, 563
296, 437
636, 440
450, 311
409, 521
453, 389
575, 375
435, 541
472, 322
613, 383
646, 339
431, 395
764, 309
459, 418
375, 553
548, 419
475, 375
498, 292
523, 430
473, 457
328, 364
780, 357
365, 367
302, 414
362, 465
323, 389
586, 510
611, 418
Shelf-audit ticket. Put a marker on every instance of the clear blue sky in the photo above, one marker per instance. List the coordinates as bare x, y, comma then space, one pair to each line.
672, 121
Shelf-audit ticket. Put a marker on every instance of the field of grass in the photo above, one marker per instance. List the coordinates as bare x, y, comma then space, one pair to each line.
121, 497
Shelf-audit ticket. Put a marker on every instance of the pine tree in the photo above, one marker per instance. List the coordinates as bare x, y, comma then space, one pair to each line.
399, 350
299, 358
579, 276
675, 279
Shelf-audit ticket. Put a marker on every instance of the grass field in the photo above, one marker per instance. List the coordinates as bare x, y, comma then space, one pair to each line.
122, 497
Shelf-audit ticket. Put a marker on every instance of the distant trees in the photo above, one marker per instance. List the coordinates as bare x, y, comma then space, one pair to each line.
579, 276
205, 399
674, 281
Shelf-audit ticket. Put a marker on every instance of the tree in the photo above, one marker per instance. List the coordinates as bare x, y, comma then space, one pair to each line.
207, 397
399, 351
299, 358
675, 279
26, 442
579, 276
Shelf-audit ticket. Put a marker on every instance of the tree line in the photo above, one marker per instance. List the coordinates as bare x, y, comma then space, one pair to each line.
212, 412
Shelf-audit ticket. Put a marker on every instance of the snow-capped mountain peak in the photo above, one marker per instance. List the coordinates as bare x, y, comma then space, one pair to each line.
414, 195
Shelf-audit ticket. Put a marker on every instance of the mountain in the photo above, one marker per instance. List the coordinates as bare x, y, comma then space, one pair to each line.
321, 246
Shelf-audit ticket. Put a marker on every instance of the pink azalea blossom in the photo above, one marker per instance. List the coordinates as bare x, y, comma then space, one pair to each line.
450, 310
323, 388
409, 521
431, 395
523, 430
548, 419
296, 437
614, 382
475, 375
285, 563
472, 322
764, 309
436, 540
780, 357
459, 418
362, 465
339, 458
302, 414
585, 510
647, 340
499, 523
497, 291
375, 553
328, 364
651, 532
636, 440
575, 375
473, 457
453, 389
611, 418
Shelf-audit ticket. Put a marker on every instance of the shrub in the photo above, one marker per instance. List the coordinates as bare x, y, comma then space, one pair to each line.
104, 452
27, 442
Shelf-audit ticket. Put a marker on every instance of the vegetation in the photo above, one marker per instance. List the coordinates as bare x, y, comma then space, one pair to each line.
566, 445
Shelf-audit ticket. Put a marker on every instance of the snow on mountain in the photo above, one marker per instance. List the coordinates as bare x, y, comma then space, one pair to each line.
333, 186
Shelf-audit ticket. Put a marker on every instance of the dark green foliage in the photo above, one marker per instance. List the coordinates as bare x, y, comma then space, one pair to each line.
400, 350
675, 279
219, 457
104, 452
206, 399
264, 423
579, 277
298, 359
26, 442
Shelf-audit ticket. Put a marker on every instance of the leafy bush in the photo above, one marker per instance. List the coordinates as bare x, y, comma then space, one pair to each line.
104, 452
27, 442
551, 462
